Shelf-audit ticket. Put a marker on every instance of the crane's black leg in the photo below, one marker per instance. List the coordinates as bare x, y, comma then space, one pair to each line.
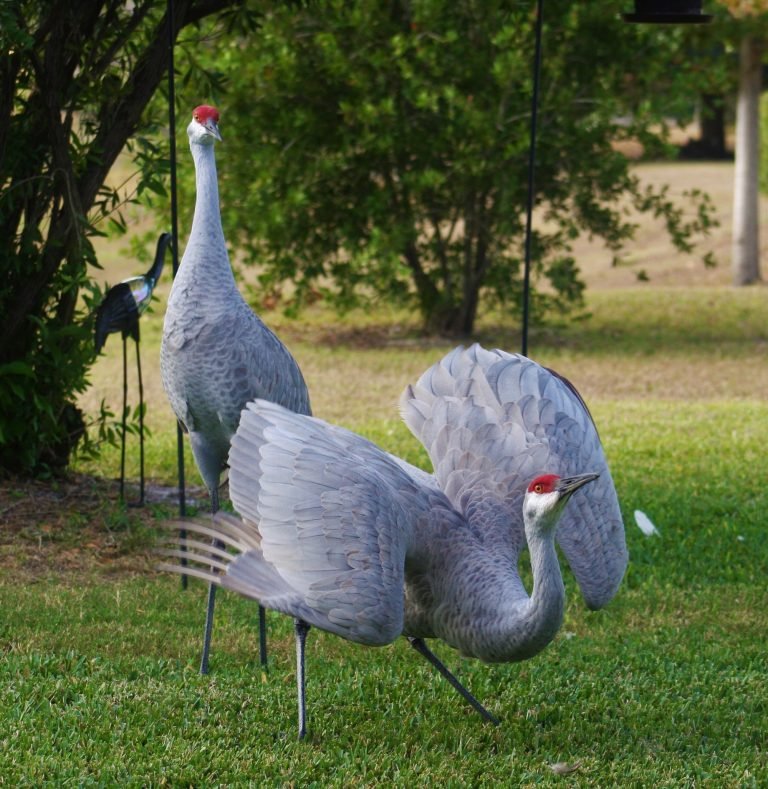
212, 605
182, 492
211, 598
208, 628
420, 646
262, 637
125, 405
302, 628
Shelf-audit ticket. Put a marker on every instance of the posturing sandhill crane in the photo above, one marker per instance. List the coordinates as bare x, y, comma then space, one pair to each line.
119, 311
216, 353
338, 534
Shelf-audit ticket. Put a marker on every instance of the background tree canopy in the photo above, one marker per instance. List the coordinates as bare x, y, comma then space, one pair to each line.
372, 150
381, 149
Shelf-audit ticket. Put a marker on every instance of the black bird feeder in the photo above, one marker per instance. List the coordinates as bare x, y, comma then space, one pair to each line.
668, 12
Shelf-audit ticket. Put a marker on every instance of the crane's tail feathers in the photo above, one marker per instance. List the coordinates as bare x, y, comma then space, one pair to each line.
206, 547
209, 575
201, 559
223, 528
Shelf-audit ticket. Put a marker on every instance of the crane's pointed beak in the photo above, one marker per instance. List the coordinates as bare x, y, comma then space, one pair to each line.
569, 485
212, 128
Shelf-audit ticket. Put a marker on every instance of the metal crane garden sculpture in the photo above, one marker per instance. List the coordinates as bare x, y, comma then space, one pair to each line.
119, 311
341, 536
216, 353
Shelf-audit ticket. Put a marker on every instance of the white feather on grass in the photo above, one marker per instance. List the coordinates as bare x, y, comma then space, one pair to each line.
645, 524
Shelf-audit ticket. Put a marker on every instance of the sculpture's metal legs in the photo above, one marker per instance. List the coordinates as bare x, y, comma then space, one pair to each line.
208, 628
211, 598
140, 502
302, 628
122, 430
420, 646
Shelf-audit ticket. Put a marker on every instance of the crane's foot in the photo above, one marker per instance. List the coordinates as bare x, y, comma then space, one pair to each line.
420, 646
302, 628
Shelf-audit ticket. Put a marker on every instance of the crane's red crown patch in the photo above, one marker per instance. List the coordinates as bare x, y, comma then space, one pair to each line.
543, 484
205, 112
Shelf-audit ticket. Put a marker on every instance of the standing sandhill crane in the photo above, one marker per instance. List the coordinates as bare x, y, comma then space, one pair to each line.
216, 353
119, 311
338, 534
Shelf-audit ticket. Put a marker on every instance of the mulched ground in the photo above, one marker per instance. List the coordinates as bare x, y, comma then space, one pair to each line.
76, 524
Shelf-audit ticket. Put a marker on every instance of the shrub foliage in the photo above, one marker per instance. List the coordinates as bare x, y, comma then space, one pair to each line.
75, 79
383, 148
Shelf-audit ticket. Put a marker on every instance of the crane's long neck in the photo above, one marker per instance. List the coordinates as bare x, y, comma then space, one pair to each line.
525, 624
206, 225
206, 247
543, 614
470, 594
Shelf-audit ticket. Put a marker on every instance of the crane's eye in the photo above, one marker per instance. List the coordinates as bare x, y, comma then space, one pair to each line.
538, 488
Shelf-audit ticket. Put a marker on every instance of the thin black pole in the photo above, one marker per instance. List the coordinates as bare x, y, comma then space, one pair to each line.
531, 180
175, 244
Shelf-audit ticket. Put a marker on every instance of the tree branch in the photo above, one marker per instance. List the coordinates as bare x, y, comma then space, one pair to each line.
79, 195
140, 88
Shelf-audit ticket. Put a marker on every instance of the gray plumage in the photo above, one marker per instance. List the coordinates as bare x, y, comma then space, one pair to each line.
339, 533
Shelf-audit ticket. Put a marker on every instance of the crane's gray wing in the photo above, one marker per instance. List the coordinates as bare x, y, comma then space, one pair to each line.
271, 373
334, 513
491, 421
228, 358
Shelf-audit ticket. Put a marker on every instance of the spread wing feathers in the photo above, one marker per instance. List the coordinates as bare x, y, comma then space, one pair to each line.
334, 514
488, 418
234, 561
491, 421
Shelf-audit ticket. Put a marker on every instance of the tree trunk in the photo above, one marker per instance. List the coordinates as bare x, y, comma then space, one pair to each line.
746, 247
712, 127
455, 319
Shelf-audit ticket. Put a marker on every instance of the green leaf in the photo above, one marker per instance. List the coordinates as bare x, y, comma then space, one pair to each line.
17, 368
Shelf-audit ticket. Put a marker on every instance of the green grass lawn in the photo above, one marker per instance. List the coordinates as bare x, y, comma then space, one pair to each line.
668, 686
